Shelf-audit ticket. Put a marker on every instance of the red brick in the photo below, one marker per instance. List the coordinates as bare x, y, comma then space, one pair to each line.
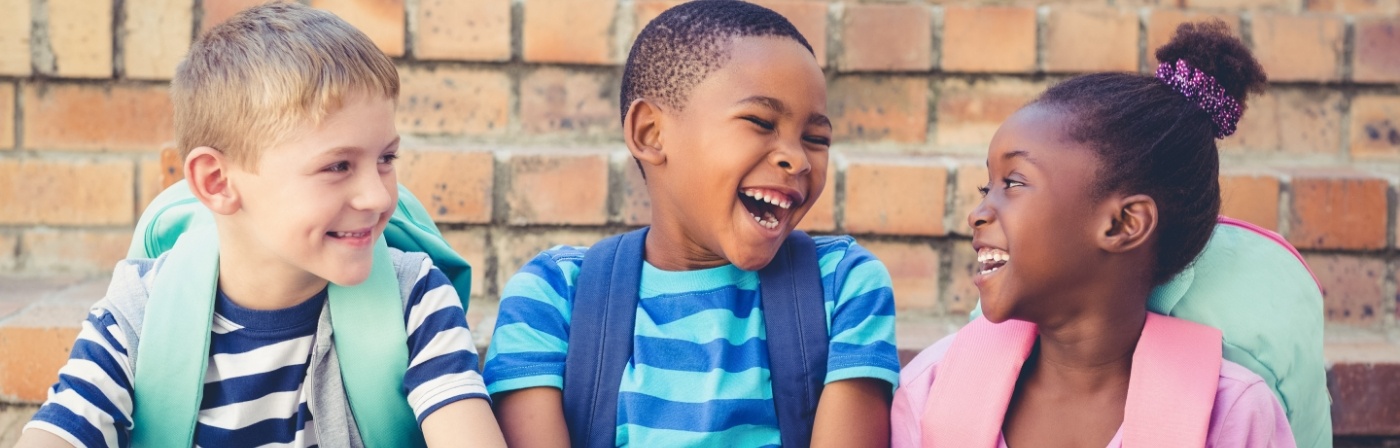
218, 11
914, 269
149, 177
515, 247
1372, 7
172, 166
97, 117
962, 295
1338, 210
1297, 47
86, 252
455, 186
1352, 287
888, 37
1239, 5
1377, 54
971, 176
9, 246
868, 109
822, 216
1365, 395
969, 112
636, 201
463, 31
453, 101
1162, 24
1293, 122
7, 116
809, 17
43, 192
474, 245
569, 31
558, 187
14, 38
1089, 40
569, 102
903, 196
1250, 197
36, 342
381, 20
988, 39
80, 36
1375, 126
156, 37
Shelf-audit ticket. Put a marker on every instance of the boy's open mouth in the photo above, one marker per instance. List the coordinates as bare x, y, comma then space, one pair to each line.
990, 260
770, 208
351, 235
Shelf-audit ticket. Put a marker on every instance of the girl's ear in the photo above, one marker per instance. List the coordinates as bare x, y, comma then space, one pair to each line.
641, 128
1132, 221
207, 171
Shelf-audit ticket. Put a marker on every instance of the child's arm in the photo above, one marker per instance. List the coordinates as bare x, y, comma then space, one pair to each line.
853, 413
444, 427
38, 438
533, 418
91, 403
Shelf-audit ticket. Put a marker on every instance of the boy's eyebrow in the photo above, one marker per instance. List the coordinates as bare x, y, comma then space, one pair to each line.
348, 150
778, 106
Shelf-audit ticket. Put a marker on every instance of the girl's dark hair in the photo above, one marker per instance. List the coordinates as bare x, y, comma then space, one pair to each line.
1150, 139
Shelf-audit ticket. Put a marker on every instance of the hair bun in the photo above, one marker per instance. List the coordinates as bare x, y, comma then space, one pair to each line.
1211, 48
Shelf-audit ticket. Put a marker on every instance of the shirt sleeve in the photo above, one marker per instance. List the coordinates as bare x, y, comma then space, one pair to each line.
442, 366
529, 346
91, 405
1254, 419
862, 317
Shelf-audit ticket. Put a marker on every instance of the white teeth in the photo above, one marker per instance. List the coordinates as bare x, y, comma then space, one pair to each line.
777, 199
990, 260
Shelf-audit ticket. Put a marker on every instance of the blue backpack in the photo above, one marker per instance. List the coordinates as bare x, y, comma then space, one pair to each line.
604, 311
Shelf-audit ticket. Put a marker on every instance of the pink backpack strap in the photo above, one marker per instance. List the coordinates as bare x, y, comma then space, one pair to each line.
1176, 370
973, 387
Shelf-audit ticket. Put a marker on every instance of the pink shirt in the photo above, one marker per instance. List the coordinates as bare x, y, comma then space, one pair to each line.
1246, 413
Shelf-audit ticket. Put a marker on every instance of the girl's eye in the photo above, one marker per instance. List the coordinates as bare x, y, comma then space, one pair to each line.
984, 190
339, 167
388, 159
766, 125
1011, 183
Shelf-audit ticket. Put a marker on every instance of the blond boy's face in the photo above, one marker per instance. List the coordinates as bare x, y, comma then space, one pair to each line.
319, 201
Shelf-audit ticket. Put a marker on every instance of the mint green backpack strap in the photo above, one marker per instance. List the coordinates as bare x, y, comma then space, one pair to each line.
411, 229
372, 344
169, 382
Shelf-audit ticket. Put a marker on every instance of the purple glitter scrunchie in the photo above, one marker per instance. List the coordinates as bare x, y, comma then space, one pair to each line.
1205, 91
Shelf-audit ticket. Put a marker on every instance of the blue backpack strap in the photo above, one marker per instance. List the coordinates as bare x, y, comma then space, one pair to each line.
794, 311
600, 337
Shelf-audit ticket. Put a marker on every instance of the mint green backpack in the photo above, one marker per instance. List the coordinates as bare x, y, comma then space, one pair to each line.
372, 349
1256, 289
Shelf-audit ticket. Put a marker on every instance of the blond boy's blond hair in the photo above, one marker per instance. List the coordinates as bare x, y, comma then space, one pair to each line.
251, 82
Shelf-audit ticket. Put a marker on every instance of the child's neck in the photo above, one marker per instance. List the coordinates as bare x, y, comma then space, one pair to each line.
259, 283
1089, 353
668, 248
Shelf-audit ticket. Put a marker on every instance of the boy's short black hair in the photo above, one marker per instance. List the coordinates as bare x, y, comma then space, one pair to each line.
688, 42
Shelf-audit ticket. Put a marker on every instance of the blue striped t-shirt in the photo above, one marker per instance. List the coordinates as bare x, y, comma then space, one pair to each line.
699, 370
255, 385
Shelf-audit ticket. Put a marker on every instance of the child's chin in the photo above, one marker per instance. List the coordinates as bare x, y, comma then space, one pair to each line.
752, 259
349, 277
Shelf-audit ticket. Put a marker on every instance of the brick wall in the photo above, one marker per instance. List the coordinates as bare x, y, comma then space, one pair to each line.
509, 114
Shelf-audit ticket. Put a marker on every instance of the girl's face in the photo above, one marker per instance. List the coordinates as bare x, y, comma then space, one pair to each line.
1034, 230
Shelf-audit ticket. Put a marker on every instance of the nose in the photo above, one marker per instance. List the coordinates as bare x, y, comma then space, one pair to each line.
980, 216
375, 191
792, 159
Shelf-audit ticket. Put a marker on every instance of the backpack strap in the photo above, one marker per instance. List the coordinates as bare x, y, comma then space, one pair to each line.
794, 310
1171, 393
600, 337
1266, 233
973, 386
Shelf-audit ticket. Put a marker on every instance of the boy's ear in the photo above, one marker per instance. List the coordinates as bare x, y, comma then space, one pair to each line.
1132, 221
641, 128
207, 171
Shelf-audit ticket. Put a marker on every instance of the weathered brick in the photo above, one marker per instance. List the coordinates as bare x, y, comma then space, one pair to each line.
172, 166
157, 36
1338, 210
561, 101
453, 101
149, 177
1352, 287
1372, 7
809, 17
1291, 121
913, 271
381, 20
515, 247
558, 187
896, 196
77, 251
1089, 40
635, 209
1239, 5
1298, 47
1375, 126
472, 244
1365, 395
97, 117
80, 36
1162, 24
969, 112
868, 109
969, 178
962, 295
1251, 197
9, 246
569, 31
890, 37
1376, 57
43, 192
36, 342
822, 216
463, 31
988, 39
7, 116
218, 11
455, 186
14, 38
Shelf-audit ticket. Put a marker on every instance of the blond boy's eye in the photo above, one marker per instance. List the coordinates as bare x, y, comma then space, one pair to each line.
339, 167
388, 158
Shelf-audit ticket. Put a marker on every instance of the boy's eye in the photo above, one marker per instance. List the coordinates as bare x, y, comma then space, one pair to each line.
765, 124
818, 140
339, 167
389, 158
